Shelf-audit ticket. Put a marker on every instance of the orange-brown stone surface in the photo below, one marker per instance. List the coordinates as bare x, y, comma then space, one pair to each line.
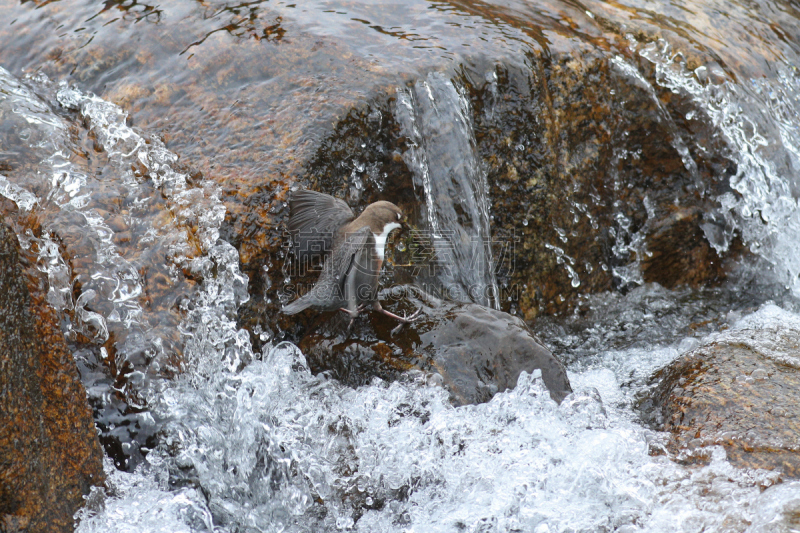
258, 98
738, 392
49, 452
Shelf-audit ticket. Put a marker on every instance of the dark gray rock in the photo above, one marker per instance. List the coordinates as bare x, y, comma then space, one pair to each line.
476, 350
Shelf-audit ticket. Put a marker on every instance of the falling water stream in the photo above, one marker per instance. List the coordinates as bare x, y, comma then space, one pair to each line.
451, 185
233, 440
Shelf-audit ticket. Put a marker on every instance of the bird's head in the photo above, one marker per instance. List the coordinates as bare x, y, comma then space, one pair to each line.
384, 215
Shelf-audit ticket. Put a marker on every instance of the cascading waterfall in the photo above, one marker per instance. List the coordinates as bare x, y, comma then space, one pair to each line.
112, 290
217, 265
435, 117
758, 120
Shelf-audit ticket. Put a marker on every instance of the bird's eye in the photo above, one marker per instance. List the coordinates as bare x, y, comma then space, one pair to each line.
399, 216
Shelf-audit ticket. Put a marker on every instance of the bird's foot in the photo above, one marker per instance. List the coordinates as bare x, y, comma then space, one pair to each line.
353, 314
402, 319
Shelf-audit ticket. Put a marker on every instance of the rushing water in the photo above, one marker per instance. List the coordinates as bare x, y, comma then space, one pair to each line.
452, 185
255, 442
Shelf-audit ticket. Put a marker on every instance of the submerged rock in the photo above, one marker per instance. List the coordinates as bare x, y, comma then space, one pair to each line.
472, 350
50, 455
741, 391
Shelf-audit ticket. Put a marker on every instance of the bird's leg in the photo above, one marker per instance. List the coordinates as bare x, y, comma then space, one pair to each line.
353, 314
402, 319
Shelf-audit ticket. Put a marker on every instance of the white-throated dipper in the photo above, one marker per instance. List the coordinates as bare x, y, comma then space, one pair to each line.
327, 226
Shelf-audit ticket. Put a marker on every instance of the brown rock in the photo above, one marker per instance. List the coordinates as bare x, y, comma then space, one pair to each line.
49, 452
737, 392
575, 147
678, 252
476, 350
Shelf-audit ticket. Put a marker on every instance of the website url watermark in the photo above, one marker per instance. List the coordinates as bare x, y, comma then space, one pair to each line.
428, 254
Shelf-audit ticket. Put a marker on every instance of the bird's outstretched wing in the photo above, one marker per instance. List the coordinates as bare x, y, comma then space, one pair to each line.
331, 291
314, 219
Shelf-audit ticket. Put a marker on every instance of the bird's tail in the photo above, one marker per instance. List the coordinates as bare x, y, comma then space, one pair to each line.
301, 304
325, 295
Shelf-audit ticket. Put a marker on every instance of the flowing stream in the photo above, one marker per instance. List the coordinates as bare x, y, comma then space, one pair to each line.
451, 185
233, 440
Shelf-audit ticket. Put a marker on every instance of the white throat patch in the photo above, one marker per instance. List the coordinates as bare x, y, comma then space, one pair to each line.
380, 239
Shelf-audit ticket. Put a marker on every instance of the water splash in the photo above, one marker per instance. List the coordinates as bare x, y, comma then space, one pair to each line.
567, 262
172, 234
771, 331
435, 117
274, 448
157, 509
206, 327
758, 121
629, 248
24, 199
65, 185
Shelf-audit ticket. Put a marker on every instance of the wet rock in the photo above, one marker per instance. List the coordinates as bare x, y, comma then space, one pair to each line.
746, 27
741, 391
591, 191
49, 452
587, 159
678, 252
586, 164
474, 351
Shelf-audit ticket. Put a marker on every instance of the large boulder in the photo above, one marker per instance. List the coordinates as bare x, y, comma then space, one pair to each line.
50, 455
741, 391
588, 163
472, 350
